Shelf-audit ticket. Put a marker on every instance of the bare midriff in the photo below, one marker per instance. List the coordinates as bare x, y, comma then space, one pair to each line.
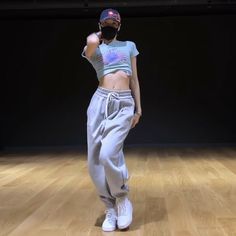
117, 80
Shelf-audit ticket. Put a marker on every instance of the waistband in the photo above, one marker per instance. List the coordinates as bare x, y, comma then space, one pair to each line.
119, 93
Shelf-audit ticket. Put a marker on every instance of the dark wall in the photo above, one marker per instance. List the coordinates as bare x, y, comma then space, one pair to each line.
186, 70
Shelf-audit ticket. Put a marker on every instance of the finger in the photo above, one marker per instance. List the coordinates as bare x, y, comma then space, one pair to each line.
132, 126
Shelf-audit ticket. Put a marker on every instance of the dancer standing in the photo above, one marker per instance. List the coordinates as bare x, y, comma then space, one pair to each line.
114, 109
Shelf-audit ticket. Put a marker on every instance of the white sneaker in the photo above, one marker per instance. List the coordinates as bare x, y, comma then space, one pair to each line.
125, 211
109, 224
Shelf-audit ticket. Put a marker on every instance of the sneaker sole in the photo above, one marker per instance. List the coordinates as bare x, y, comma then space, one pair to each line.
125, 226
108, 229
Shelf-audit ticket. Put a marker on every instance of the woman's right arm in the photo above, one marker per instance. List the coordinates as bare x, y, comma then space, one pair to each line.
93, 41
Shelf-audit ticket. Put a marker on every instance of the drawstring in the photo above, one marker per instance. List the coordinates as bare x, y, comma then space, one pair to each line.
109, 97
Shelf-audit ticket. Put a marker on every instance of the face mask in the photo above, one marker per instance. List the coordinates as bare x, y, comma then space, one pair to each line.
108, 32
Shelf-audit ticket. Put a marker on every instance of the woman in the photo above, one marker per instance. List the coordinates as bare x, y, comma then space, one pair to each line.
114, 108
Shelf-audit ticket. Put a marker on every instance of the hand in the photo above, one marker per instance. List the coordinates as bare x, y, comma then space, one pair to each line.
135, 120
99, 35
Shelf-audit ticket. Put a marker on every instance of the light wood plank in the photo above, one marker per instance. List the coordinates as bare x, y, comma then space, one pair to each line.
175, 192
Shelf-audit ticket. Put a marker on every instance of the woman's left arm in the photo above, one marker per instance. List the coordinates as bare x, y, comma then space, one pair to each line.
134, 86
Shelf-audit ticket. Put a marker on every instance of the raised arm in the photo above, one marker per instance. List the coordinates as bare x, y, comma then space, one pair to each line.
93, 41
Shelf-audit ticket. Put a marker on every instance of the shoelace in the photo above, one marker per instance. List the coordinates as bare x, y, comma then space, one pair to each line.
110, 216
122, 207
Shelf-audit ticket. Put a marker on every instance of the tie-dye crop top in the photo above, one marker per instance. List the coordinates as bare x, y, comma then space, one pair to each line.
111, 57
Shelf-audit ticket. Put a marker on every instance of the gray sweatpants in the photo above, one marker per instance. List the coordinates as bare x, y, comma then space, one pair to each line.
109, 121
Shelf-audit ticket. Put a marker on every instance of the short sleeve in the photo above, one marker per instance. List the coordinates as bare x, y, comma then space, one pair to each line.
134, 51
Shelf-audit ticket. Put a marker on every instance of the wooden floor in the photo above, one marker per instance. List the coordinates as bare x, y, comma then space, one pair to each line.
175, 192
